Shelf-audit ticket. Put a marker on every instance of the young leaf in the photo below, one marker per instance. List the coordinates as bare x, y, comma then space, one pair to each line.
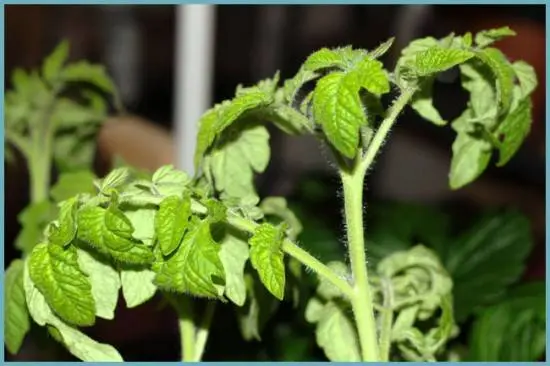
513, 131
137, 286
337, 107
194, 266
115, 179
314, 310
57, 274
372, 77
64, 231
70, 184
169, 181
267, 258
323, 59
233, 255
233, 164
326, 289
382, 48
437, 59
526, 76
422, 103
470, 158
293, 86
488, 37
54, 62
72, 154
486, 259
513, 330
81, 346
87, 73
239, 106
143, 221
477, 79
217, 211
277, 206
504, 74
171, 222
16, 314
105, 282
336, 335
110, 232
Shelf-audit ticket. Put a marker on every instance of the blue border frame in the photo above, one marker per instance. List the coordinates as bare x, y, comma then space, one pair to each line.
265, 2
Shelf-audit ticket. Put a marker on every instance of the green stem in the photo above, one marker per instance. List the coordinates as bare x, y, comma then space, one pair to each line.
204, 329
362, 302
299, 254
187, 330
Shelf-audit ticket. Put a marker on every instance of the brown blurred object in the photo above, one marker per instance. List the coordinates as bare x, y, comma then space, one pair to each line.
139, 142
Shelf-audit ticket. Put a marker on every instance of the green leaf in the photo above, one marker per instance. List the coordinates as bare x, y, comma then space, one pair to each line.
16, 314
477, 79
115, 179
513, 131
217, 211
143, 221
513, 330
323, 59
53, 64
70, 184
267, 258
438, 59
171, 222
337, 107
85, 72
81, 346
233, 164
486, 259
294, 85
105, 282
63, 232
34, 219
471, 157
488, 37
314, 310
68, 114
382, 48
504, 74
57, 274
75, 154
137, 286
372, 77
233, 255
422, 103
170, 181
277, 206
194, 266
336, 335
527, 77
110, 232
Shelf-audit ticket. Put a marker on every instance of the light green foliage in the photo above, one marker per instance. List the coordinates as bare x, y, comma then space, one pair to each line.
195, 265
16, 314
72, 184
267, 258
487, 37
34, 219
234, 254
277, 206
57, 274
137, 286
171, 222
105, 282
63, 232
513, 330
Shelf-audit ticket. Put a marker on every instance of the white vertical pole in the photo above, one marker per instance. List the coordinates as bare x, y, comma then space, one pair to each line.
195, 25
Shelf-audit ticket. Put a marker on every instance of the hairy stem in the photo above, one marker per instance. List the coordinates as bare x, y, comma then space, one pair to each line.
362, 303
204, 330
299, 254
187, 330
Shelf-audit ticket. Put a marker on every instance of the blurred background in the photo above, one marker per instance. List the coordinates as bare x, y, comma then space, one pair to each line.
138, 46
